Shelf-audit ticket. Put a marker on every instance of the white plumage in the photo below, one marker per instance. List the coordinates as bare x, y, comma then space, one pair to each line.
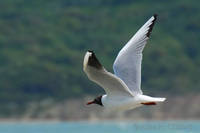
123, 88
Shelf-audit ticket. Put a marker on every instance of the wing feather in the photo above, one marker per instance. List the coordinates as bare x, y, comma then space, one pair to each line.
112, 85
127, 65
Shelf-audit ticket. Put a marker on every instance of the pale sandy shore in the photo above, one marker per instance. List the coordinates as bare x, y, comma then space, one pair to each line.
175, 108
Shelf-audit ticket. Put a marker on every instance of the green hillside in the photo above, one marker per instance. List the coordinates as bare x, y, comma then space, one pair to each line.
42, 44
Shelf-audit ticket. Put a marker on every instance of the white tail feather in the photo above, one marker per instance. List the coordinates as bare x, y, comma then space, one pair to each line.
159, 99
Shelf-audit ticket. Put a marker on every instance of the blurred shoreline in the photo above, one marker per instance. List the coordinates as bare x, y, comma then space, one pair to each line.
184, 107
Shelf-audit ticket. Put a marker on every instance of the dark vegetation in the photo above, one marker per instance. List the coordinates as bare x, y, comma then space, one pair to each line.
42, 44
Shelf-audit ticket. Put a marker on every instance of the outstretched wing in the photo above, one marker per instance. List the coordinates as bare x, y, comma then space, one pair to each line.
127, 65
112, 85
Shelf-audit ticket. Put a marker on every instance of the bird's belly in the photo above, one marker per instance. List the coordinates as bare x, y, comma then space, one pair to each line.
122, 105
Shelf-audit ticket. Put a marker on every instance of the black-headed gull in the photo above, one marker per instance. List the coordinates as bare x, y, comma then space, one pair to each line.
122, 88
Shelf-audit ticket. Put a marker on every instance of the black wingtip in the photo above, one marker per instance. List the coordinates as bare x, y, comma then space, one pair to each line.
93, 61
151, 26
90, 51
155, 16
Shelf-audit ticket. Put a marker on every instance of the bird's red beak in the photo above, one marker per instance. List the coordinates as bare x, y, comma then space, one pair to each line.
91, 102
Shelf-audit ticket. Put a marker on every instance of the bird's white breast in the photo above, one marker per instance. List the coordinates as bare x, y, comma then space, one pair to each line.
120, 103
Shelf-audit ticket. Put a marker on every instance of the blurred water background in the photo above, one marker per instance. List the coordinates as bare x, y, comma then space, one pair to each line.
103, 127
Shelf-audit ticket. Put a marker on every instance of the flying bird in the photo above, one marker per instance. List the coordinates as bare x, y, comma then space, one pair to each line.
123, 88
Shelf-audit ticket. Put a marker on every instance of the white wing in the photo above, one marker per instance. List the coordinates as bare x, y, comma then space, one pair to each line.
112, 85
127, 65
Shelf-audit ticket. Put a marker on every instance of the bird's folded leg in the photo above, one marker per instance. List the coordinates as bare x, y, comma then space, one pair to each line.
149, 103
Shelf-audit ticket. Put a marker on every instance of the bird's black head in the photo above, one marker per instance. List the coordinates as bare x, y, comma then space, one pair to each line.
97, 100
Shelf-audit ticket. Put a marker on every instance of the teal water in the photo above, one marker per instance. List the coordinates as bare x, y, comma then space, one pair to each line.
103, 127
